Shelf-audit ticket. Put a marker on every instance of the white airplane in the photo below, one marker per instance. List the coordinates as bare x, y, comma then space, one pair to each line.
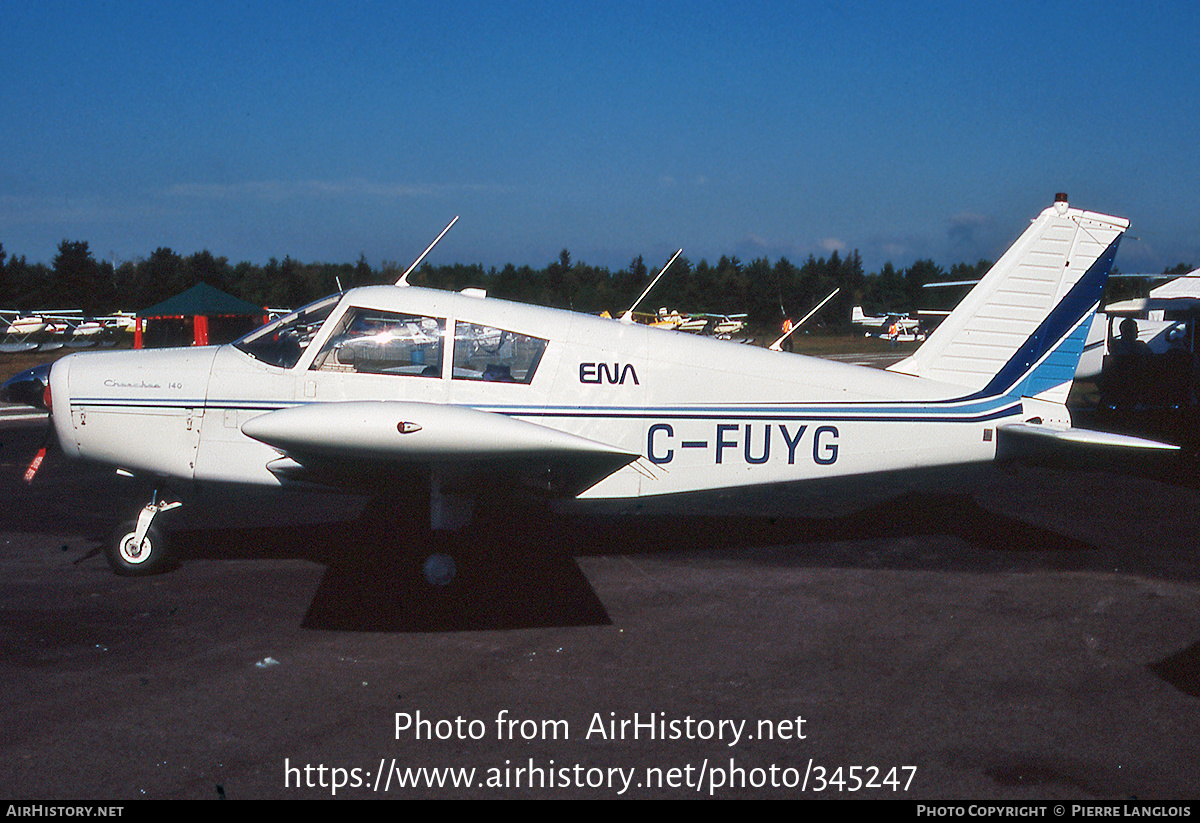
21, 325
880, 325
1169, 311
468, 398
58, 322
727, 325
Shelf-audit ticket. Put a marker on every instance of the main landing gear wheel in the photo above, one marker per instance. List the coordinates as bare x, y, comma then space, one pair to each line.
130, 559
440, 569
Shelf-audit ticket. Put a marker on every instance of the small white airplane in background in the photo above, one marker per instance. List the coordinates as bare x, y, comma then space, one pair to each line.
879, 325
60, 322
468, 398
727, 325
21, 325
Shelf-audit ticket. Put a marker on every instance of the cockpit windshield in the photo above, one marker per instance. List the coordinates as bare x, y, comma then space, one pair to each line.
282, 342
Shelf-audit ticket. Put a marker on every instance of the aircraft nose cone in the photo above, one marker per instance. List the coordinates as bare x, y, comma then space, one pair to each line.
28, 387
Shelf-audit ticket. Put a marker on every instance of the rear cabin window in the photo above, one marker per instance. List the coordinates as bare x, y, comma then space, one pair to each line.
497, 355
377, 342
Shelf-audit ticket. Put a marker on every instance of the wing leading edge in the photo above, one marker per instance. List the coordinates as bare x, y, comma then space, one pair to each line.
348, 442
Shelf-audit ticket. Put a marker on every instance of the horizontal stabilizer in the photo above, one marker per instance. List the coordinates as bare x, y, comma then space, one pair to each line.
1085, 437
331, 439
1069, 447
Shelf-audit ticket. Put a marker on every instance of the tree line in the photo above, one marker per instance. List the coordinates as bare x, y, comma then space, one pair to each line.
765, 290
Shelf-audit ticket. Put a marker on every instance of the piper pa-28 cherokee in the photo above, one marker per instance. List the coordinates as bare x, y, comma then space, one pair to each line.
465, 398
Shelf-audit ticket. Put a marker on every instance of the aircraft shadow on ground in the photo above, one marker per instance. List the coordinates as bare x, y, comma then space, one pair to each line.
910, 515
521, 573
1181, 670
374, 576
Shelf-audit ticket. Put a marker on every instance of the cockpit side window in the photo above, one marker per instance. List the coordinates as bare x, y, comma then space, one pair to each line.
282, 342
491, 354
379, 342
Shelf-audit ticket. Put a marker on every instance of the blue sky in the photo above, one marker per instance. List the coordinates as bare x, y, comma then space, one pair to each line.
329, 130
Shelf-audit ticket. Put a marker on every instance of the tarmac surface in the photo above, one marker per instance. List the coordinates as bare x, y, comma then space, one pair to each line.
1033, 635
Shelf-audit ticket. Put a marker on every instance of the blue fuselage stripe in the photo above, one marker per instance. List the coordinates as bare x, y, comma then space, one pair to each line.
917, 413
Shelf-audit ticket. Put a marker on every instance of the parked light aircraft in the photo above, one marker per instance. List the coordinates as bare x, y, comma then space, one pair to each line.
1168, 312
879, 325
17, 324
57, 322
466, 397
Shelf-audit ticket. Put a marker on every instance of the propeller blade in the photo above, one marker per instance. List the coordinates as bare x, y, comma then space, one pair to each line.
32, 388
34, 465
49, 439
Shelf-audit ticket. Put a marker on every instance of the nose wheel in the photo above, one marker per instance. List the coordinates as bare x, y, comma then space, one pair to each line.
137, 547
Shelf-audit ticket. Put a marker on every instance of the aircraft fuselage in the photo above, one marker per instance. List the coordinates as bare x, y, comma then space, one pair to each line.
698, 413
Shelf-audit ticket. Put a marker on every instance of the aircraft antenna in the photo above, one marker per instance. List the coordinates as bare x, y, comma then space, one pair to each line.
403, 281
627, 317
778, 344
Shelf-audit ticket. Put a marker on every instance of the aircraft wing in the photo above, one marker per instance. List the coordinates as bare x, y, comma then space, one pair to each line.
352, 443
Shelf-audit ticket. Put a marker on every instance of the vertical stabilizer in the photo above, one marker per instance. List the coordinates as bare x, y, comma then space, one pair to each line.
1022, 328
